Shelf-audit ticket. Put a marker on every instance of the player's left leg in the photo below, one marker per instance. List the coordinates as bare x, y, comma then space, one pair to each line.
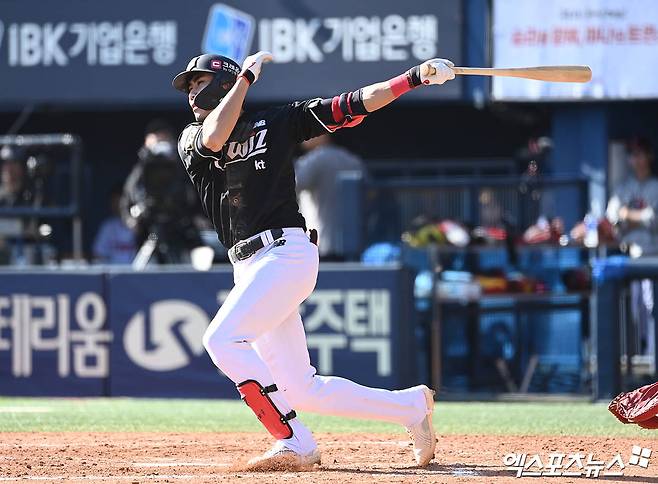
269, 285
286, 355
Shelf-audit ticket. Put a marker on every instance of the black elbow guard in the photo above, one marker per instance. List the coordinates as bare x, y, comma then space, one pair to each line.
342, 111
353, 103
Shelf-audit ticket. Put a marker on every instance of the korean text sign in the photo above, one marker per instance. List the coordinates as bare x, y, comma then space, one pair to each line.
618, 39
128, 52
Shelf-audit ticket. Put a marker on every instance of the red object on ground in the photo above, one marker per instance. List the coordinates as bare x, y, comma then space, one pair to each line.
639, 406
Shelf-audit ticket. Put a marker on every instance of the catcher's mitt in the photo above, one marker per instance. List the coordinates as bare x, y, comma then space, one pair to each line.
639, 406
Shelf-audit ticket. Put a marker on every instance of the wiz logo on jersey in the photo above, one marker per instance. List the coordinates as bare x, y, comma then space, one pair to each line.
254, 145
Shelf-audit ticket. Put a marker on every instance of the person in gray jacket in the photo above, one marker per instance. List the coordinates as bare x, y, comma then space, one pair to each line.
316, 174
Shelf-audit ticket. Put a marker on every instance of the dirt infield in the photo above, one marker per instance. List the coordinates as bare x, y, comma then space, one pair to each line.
346, 458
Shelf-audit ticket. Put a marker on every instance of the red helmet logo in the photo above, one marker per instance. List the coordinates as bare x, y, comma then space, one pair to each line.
216, 64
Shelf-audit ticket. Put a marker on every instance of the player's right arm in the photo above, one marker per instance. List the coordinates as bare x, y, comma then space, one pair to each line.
219, 124
433, 71
350, 108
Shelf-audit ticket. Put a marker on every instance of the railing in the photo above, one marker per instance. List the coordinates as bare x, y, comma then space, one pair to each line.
615, 349
441, 168
40, 143
392, 204
516, 202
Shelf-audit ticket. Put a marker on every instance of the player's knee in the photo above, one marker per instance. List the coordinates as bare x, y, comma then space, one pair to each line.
217, 333
209, 341
208, 338
296, 398
215, 343
298, 393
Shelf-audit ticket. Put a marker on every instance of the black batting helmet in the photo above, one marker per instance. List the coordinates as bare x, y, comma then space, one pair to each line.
225, 71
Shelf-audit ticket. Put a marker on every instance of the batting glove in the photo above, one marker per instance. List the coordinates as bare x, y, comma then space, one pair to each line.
252, 65
436, 71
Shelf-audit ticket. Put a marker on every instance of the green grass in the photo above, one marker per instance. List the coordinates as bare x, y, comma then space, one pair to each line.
174, 415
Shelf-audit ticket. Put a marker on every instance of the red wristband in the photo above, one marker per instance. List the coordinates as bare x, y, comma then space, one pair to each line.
400, 84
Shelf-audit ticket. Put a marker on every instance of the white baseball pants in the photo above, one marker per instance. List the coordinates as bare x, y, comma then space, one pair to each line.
258, 334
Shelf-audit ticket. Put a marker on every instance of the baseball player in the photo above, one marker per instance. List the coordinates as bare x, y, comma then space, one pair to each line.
241, 164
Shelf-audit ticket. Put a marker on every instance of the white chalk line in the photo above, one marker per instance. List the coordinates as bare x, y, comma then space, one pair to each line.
179, 464
465, 473
180, 477
397, 443
25, 409
24, 445
70, 446
461, 472
109, 478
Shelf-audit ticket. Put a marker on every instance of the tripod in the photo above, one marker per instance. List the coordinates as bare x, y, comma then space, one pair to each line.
156, 243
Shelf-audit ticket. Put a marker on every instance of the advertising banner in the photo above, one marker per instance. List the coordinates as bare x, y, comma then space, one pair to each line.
355, 326
158, 321
359, 325
127, 52
54, 338
140, 334
618, 39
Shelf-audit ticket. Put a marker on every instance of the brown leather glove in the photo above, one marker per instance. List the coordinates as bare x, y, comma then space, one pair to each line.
639, 406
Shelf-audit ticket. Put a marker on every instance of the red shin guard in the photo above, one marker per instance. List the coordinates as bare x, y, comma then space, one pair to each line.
256, 397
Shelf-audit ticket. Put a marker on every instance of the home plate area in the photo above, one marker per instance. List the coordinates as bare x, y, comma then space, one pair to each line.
222, 457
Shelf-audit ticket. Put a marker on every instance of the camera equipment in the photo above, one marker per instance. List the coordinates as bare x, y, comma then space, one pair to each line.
161, 207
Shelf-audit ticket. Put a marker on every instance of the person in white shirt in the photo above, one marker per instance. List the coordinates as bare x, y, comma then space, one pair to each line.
634, 203
632, 209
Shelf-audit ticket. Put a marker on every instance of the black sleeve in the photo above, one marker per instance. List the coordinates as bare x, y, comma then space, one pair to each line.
304, 122
191, 148
203, 151
318, 116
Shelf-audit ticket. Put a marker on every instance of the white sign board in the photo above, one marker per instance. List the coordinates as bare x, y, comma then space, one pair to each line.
618, 39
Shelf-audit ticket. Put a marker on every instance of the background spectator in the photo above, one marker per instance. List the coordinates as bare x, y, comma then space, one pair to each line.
632, 209
633, 205
12, 193
114, 242
13, 184
317, 172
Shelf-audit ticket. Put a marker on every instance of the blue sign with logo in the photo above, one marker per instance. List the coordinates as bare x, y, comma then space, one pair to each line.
357, 324
140, 334
229, 32
54, 336
158, 320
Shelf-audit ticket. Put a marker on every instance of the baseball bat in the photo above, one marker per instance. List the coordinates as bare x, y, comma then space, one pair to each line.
542, 73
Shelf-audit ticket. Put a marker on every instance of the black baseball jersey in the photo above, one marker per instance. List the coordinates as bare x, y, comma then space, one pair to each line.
249, 186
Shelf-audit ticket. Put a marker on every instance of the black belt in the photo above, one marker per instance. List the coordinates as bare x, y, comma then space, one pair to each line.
244, 250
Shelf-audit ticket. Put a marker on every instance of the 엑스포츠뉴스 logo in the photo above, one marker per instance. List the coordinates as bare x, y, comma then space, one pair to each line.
229, 32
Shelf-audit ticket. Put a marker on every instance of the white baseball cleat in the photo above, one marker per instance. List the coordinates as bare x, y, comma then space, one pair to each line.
422, 434
279, 457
